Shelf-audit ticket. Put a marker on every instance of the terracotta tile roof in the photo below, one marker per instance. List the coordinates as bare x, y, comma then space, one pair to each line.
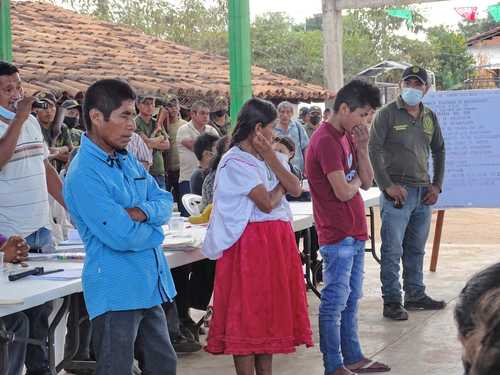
61, 50
488, 36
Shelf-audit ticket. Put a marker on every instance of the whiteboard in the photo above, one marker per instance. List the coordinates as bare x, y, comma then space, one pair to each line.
470, 121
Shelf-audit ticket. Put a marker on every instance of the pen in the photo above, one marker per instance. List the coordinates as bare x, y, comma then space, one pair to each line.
52, 271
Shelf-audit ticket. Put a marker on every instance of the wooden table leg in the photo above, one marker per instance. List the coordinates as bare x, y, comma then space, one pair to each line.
437, 240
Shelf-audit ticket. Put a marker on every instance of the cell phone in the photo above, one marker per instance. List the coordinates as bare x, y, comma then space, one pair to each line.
40, 105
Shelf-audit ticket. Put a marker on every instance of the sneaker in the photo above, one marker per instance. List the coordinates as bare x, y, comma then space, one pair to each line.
395, 311
182, 344
425, 303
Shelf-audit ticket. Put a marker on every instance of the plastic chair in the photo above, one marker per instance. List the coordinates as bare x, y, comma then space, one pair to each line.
191, 203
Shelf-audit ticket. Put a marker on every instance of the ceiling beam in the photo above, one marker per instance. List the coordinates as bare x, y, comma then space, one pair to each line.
353, 4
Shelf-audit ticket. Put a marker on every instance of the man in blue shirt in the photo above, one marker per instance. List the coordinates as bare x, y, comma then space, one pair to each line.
119, 211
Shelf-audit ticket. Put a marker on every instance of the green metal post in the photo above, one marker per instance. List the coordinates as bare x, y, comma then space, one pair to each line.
5, 31
239, 55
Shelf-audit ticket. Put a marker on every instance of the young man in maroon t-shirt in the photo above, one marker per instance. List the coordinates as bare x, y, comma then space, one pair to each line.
337, 166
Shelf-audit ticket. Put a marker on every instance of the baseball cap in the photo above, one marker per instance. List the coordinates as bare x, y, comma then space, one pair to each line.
46, 96
171, 100
315, 109
303, 111
70, 104
220, 103
415, 72
142, 98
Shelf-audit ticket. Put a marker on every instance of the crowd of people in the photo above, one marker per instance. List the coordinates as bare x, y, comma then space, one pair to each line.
113, 164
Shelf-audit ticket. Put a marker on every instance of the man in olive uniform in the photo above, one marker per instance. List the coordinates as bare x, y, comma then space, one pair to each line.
56, 134
72, 120
314, 120
219, 118
153, 135
403, 136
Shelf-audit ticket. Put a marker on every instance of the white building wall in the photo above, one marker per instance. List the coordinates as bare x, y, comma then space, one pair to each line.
486, 55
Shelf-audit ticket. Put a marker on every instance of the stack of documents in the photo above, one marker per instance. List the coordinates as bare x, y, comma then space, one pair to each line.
174, 242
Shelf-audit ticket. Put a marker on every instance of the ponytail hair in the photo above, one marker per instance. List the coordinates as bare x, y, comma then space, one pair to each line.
483, 347
254, 111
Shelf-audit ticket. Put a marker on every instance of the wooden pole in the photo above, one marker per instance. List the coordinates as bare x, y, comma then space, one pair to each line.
437, 240
332, 49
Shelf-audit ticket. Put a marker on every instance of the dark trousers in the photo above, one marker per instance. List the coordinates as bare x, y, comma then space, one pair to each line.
37, 362
181, 281
173, 184
194, 284
119, 335
172, 315
19, 325
36, 358
184, 188
83, 330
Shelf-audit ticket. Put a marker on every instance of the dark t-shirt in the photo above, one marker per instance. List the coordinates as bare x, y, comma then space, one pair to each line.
335, 220
196, 182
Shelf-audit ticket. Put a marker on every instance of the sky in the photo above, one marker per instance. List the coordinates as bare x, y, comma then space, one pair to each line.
438, 13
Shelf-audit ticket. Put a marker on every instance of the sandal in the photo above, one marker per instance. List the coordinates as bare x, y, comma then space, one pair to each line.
368, 367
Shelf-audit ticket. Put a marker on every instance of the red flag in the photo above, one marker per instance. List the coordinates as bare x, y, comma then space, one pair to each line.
469, 13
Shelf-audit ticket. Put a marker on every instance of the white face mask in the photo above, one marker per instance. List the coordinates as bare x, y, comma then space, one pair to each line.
282, 158
412, 96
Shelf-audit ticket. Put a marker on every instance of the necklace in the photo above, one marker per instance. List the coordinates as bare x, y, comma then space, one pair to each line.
269, 172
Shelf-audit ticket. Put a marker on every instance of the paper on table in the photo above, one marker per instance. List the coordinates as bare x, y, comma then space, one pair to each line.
41, 257
11, 302
180, 243
73, 235
71, 242
69, 274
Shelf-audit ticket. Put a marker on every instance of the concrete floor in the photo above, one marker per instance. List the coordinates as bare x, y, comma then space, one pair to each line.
425, 344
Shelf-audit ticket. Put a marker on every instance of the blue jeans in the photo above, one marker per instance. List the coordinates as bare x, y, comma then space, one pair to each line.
118, 335
41, 241
36, 359
404, 233
160, 180
343, 265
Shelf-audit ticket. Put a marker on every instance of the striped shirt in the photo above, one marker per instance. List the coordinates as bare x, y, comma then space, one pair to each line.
24, 204
140, 150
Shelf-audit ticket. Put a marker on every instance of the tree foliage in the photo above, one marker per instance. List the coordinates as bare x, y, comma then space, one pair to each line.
280, 47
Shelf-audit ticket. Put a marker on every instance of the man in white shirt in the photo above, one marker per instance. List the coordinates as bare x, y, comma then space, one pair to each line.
141, 151
26, 178
186, 136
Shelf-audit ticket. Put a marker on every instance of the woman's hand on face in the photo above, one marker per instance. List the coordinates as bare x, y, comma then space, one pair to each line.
263, 146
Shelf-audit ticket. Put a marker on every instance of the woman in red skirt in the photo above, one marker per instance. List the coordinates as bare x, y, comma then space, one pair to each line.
260, 305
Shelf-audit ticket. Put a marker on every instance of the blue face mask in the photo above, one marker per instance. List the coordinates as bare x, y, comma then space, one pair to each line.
6, 114
412, 96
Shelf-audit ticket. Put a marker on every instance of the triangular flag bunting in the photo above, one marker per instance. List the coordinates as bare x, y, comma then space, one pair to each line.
494, 11
469, 13
402, 13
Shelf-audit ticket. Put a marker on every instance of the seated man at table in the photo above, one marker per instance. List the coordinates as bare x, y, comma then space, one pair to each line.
204, 149
15, 250
119, 211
